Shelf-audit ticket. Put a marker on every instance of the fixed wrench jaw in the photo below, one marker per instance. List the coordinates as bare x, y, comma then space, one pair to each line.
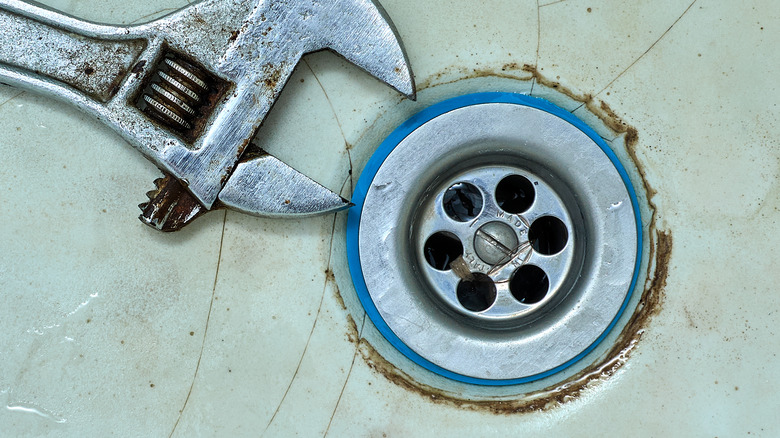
362, 32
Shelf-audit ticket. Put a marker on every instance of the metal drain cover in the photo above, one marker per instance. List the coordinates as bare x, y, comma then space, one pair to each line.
495, 238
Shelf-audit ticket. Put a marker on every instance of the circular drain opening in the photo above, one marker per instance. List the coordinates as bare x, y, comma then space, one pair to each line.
548, 235
529, 284
462, 202
485, 231
441, 249
477, 292
515, 194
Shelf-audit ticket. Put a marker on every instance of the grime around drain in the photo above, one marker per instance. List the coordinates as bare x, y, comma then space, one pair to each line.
648, 293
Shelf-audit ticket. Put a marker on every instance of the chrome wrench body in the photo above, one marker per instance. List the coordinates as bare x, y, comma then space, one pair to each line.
190, 90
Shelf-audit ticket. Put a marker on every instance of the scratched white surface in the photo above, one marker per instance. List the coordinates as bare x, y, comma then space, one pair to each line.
229, 328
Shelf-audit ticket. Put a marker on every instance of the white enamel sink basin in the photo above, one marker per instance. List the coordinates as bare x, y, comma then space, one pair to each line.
237, 326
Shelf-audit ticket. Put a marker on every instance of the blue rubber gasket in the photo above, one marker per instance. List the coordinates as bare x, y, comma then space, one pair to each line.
387, 146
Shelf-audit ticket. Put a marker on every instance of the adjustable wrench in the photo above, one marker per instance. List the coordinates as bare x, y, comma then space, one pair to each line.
190, 90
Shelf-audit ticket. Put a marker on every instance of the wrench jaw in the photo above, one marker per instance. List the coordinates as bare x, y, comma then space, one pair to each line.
261, 185
394, 72
362, 32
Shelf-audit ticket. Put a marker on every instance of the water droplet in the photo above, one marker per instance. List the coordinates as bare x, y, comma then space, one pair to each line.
29, 408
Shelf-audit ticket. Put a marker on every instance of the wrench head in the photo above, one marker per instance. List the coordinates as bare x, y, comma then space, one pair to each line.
258, 58
361, 32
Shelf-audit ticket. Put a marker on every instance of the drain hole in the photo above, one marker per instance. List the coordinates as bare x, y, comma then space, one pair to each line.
462, 202
515, 194
477, 294
441, 249
548, 235
529, 284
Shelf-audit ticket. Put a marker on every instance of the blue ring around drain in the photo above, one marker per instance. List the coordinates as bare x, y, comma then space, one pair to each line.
387, 146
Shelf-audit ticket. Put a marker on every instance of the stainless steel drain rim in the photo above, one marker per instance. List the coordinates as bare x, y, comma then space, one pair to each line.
493, 129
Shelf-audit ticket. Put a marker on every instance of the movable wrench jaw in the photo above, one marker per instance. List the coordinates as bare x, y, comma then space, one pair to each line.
261, 185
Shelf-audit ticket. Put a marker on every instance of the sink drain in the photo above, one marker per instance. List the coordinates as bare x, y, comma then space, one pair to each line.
495, 238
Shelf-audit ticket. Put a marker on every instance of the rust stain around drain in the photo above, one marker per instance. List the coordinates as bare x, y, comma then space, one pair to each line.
563, 392
650, 301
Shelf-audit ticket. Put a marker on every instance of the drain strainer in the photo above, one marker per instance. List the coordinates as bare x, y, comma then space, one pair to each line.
495, 238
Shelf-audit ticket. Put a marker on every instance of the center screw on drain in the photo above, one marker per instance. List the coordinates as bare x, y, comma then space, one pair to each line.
495, 242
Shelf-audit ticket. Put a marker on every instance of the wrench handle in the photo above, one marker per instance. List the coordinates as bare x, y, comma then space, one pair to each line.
40, 44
